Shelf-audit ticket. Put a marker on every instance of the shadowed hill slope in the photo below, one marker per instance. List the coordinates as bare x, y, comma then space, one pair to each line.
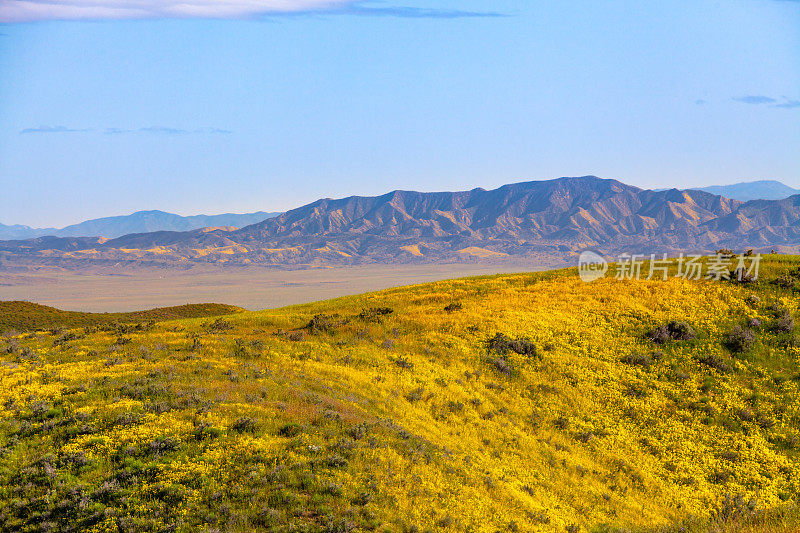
27, 316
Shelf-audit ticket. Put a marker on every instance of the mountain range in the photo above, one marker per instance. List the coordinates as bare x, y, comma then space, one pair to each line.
139, 222
553, 219
753, 190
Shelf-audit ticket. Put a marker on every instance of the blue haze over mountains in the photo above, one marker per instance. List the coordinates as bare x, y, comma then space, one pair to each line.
139, 222
551, 218
152, 221
753, 190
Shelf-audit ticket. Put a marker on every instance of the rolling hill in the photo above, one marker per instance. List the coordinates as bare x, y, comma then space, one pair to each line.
554, 218
27, 316
527, 402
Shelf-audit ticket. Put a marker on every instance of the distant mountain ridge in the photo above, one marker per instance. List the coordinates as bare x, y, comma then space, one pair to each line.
753, 190
139, 222
552, 219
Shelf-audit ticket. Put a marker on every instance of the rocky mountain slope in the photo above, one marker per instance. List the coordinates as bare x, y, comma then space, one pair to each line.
554, 218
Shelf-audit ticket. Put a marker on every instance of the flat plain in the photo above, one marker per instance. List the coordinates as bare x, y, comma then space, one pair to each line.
254, 288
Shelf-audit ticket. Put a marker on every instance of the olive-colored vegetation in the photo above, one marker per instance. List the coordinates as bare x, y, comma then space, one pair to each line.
539, 403
26, 316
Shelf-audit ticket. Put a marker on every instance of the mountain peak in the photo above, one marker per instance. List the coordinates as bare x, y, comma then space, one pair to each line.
534, 219
753, 190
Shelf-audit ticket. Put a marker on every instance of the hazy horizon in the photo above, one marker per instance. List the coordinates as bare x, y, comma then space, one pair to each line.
191, 214
265, 108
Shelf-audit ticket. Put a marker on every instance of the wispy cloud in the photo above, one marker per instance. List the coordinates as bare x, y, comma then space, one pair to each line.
52, 129
215, 131
782, 103
165, 130
116, 131
35, 10
755, 100
701, 102
789, 104
358, 8
32, 10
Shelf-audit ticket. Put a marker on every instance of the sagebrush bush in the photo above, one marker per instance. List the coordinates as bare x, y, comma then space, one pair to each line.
374, 314
741, 275
323, 323
740, 339
754, 323
784, 323
503, 344
673, 330
244, 424
715, 362
637, 359
453, 307
220, 325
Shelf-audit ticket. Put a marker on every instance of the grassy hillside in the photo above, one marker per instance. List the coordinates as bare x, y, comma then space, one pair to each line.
509, 403
27, 316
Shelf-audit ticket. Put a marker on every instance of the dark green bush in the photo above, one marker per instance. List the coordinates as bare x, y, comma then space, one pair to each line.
289, 430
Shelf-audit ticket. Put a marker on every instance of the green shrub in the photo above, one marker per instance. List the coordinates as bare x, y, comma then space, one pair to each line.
244, 424
162, 445
206, 431
219, 325
289, 430
374, 314
715, 362
638, 359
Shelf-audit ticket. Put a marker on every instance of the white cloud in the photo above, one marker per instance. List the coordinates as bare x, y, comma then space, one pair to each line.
33, 10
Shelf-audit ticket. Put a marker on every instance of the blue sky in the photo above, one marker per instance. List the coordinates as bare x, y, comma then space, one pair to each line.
270, 104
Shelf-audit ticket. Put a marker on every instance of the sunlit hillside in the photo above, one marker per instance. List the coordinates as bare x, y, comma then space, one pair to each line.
527, 402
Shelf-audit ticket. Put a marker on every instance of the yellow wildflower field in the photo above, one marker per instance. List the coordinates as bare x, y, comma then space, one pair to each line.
525, 402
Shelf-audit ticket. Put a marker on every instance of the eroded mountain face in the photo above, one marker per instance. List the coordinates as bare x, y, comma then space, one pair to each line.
553, 218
